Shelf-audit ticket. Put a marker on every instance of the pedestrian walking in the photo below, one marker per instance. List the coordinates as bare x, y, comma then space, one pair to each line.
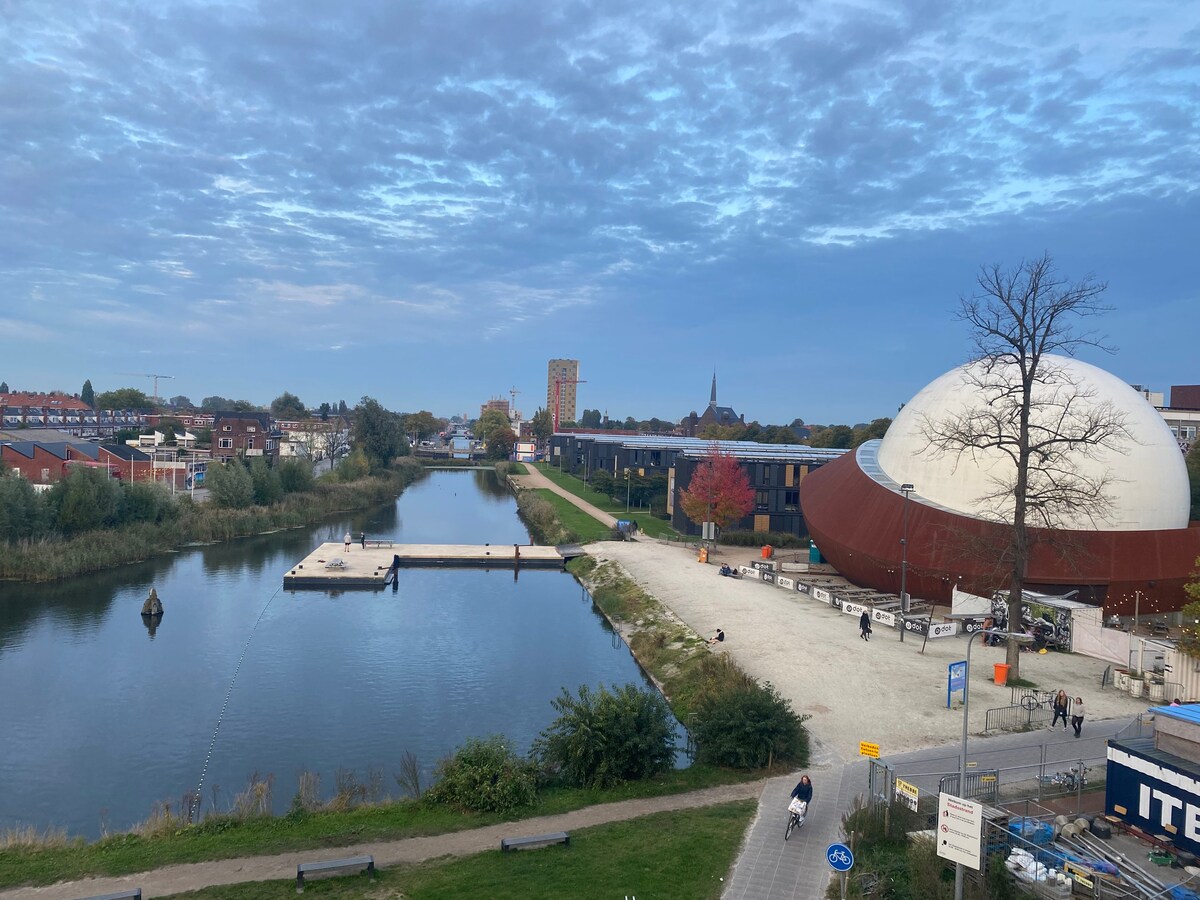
864, 626
363, 538
346, 540
1077, 715
1061, 702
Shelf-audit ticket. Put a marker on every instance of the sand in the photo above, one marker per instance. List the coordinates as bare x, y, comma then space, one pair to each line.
882, 691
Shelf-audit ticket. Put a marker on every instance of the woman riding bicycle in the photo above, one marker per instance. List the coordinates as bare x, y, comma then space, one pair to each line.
803, 790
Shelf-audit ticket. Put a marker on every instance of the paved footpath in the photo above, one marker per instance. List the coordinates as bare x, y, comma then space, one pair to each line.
193, 876
535, 480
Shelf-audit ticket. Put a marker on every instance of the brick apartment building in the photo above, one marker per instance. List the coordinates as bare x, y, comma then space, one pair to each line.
242, 434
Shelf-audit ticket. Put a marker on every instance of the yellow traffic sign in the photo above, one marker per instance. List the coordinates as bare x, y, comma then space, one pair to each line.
866, 748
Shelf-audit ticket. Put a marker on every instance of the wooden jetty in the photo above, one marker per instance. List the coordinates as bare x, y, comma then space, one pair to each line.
330, 566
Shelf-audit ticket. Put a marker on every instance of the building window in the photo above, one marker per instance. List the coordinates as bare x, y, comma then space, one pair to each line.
249, 443
270, 445
250, 429
761, 500
227, 428
225, 443
791, 501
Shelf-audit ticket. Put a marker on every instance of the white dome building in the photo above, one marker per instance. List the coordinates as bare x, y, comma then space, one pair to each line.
1147, 482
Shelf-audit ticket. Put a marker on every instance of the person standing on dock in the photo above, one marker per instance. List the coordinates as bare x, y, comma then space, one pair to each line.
346, 540
363, 538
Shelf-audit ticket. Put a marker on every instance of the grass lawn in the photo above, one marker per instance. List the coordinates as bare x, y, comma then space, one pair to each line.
683, 855
653, 527
574, 518
225, 838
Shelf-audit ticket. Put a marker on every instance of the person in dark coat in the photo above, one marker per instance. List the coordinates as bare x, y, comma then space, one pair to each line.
864, 626
803, 789
1061, 702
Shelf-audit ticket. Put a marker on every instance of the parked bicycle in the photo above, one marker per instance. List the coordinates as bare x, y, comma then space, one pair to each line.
1071, 779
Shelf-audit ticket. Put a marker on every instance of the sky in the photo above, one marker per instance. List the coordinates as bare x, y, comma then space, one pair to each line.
424, 202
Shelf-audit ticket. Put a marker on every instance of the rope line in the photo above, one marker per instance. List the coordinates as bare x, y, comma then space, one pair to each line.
224, 706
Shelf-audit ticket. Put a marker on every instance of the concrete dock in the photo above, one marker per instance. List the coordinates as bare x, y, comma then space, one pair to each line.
330, 566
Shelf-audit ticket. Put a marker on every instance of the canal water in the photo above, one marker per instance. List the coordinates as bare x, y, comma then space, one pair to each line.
101, 716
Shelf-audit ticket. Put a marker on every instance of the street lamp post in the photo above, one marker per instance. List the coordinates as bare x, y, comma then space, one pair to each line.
905, 489
962, 758
627, 483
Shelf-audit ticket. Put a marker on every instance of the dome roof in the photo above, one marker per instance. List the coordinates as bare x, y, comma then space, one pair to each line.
1148, 482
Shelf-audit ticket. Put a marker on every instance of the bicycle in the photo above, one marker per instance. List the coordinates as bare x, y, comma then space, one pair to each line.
797, 813
1071, 779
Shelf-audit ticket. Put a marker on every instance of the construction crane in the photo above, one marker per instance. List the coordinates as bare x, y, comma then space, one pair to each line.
559, 384
148, 375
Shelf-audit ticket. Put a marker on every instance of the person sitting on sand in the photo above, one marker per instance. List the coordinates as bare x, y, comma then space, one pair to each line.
716, 638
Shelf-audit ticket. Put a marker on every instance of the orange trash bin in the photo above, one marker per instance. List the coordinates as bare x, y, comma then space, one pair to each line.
703, 555
767, 551
1001, 672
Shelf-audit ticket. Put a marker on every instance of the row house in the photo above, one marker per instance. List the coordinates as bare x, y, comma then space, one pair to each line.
44, 462
244, 434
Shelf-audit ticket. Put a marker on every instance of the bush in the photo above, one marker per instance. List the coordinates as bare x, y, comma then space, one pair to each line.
603, 738
353, 466
267, 487
758, 538
747, 726
229, 485
148, 502
295, 476
86, 499
484, 776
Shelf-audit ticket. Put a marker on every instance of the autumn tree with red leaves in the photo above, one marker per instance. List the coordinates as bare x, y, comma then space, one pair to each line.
719, 491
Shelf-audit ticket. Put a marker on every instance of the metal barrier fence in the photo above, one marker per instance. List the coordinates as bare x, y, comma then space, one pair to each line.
1030, 715
982, 786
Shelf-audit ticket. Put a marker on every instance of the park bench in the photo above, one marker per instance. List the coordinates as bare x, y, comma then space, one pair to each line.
356, 863
131, 894
537, 840
371, 543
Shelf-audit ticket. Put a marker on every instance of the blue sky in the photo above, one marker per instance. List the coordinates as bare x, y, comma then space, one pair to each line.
424, 202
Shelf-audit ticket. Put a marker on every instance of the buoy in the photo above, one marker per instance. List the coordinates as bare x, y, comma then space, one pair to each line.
153, 606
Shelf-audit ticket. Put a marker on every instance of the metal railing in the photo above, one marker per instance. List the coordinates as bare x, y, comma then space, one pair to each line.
1032, 715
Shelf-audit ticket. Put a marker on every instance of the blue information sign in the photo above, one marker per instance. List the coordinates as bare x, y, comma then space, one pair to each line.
840, 857
956, 679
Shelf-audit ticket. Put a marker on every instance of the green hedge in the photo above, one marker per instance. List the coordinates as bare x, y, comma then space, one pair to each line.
758, 538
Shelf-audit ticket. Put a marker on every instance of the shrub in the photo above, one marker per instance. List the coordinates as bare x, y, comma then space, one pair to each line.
147, 502
85, 499
603, 738
758, 538
295, 476
267, 487
484, 776
747, 726
229, 485
353, 466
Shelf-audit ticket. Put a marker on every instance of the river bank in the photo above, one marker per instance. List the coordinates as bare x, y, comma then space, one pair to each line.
55, 557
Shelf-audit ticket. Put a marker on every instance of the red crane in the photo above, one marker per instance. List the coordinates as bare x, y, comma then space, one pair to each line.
558, 386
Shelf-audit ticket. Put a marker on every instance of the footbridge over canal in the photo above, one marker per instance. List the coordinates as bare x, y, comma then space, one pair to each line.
334, 565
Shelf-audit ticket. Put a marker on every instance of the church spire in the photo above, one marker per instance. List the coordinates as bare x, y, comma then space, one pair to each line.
712, 400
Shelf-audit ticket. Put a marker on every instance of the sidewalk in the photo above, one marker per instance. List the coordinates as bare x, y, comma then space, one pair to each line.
193, 876
535, 480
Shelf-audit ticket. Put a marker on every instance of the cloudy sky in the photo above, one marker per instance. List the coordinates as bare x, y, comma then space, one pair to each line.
424, 202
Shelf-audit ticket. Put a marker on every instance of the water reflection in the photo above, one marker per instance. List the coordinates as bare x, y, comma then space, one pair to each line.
98, 714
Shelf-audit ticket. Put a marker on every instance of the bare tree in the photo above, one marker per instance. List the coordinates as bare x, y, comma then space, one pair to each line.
1032, 415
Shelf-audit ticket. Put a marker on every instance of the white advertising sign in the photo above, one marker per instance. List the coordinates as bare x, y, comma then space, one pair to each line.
822, 595
748, 571
783, 582
883, 617
853, 609
943, 629
959, 830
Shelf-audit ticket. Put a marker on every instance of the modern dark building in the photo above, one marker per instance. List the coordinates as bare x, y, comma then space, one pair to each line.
774, 470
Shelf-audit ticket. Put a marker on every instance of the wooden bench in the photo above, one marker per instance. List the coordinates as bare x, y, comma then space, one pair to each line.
537, 840
371, 543
357, 863
131, 894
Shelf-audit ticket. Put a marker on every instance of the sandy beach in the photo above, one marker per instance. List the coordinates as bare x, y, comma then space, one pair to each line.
882, 691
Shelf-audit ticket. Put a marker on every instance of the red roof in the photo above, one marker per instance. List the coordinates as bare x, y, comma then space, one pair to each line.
43, 401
